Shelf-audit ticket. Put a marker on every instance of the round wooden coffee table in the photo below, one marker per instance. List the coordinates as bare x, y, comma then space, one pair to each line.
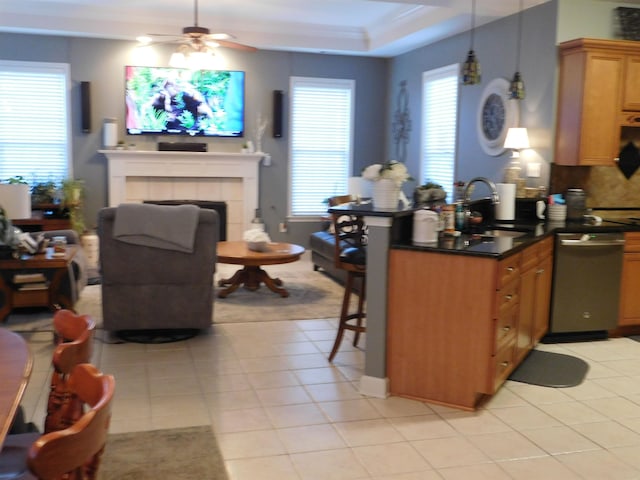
251, 275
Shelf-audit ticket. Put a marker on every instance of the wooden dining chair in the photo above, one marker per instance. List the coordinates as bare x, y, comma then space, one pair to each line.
72, 453
74, 337
350, 255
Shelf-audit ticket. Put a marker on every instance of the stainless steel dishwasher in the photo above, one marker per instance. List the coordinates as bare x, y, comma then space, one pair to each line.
585, 294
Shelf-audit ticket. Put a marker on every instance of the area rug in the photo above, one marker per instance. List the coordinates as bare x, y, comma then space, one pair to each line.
180, 453
312, 294
549, 369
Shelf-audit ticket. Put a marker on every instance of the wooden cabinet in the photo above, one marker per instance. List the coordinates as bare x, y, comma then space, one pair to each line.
544, 277
598, 80
441, 326
631, 91
630, 285
535, 296
458, 325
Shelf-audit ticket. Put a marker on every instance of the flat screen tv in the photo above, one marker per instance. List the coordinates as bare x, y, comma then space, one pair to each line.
174, 101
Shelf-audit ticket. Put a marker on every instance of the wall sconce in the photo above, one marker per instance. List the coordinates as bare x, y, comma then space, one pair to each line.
517, 139
471, 74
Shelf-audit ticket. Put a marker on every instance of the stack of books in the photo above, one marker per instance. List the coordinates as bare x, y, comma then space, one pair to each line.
30, 281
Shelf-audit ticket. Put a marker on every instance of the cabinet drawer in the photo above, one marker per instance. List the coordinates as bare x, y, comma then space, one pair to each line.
30, 298
503, 364
546, 248
506, 325
508, 269
530, 257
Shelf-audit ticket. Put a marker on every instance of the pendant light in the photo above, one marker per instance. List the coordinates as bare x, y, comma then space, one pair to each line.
516, 89
471, 69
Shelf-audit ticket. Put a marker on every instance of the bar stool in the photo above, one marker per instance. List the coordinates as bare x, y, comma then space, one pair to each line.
351, 256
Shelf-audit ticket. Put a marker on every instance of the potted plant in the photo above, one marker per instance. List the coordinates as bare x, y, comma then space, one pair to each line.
44, 193
429, 192
72, 191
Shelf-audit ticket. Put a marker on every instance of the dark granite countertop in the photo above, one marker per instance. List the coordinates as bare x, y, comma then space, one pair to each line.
475, 243
499, 246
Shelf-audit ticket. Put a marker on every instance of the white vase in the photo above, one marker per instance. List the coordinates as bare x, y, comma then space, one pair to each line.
386, 194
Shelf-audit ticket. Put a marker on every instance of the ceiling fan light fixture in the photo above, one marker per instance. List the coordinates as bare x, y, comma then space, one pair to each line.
144, 39
221, 36
178, 60
200, 60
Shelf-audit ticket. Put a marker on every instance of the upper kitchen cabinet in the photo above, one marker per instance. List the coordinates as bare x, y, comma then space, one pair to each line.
631, 92
599, 87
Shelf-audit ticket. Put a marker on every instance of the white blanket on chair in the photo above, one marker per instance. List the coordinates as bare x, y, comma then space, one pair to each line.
170, 227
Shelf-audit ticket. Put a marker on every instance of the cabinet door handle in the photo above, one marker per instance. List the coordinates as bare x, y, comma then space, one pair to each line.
540, 272
504, 364
506, 328
511, 269
508, 298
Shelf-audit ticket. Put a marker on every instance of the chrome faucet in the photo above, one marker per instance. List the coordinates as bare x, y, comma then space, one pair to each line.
466, 196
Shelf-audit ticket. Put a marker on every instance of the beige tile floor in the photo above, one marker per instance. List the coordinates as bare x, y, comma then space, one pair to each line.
280, 411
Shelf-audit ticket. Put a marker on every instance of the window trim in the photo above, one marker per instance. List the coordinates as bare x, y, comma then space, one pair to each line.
440, 72
295, 81
51, 68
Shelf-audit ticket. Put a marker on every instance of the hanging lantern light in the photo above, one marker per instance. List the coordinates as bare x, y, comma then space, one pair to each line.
471, 74
516, 88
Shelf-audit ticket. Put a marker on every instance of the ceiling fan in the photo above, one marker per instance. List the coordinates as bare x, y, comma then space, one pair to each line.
200, 39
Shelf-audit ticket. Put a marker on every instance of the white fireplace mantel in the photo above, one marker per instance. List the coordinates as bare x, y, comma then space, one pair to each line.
124, 164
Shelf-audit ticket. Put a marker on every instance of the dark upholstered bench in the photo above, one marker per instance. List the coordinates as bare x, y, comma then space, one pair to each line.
322, 246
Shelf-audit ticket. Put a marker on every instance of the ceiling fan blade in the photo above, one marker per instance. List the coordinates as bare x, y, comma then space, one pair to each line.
163, 35
237, 46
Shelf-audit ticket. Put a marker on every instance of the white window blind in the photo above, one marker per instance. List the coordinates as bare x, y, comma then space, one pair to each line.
439, 120
34, 121
321, 142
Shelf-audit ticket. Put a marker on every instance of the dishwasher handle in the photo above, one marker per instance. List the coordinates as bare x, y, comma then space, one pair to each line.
592, 243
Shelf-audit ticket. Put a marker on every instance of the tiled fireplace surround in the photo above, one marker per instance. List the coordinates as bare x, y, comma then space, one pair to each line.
233, 178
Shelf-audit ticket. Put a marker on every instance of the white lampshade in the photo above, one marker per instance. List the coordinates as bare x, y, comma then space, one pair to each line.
517, 139
15, 198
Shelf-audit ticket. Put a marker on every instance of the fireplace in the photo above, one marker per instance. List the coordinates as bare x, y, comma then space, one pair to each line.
220, 207
136, 176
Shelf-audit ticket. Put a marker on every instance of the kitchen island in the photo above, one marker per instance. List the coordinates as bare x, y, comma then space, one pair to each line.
464, 312
449, 321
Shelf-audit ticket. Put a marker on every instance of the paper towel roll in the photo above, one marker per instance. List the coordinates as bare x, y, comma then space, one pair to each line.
506, 209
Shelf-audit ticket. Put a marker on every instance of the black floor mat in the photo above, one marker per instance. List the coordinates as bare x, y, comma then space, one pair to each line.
635, 338
160, 335
549, 369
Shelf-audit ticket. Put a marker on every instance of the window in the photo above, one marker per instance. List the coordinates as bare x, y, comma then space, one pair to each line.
34, 121
321, 142
439, 120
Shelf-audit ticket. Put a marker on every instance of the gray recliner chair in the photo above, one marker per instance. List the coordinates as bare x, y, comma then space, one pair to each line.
151, 286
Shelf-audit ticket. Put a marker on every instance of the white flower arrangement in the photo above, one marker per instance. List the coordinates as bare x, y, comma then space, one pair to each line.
257, 240
256, 235
392, 170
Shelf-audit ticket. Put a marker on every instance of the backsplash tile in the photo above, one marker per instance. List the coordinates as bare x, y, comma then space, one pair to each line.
606, 187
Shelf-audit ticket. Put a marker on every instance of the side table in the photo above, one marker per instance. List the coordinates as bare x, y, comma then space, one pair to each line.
53, 267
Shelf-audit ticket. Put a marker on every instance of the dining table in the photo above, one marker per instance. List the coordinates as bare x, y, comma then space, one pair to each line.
16, 363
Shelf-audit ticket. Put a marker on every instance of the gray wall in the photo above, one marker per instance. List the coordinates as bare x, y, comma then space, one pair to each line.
495, 46
102, 62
